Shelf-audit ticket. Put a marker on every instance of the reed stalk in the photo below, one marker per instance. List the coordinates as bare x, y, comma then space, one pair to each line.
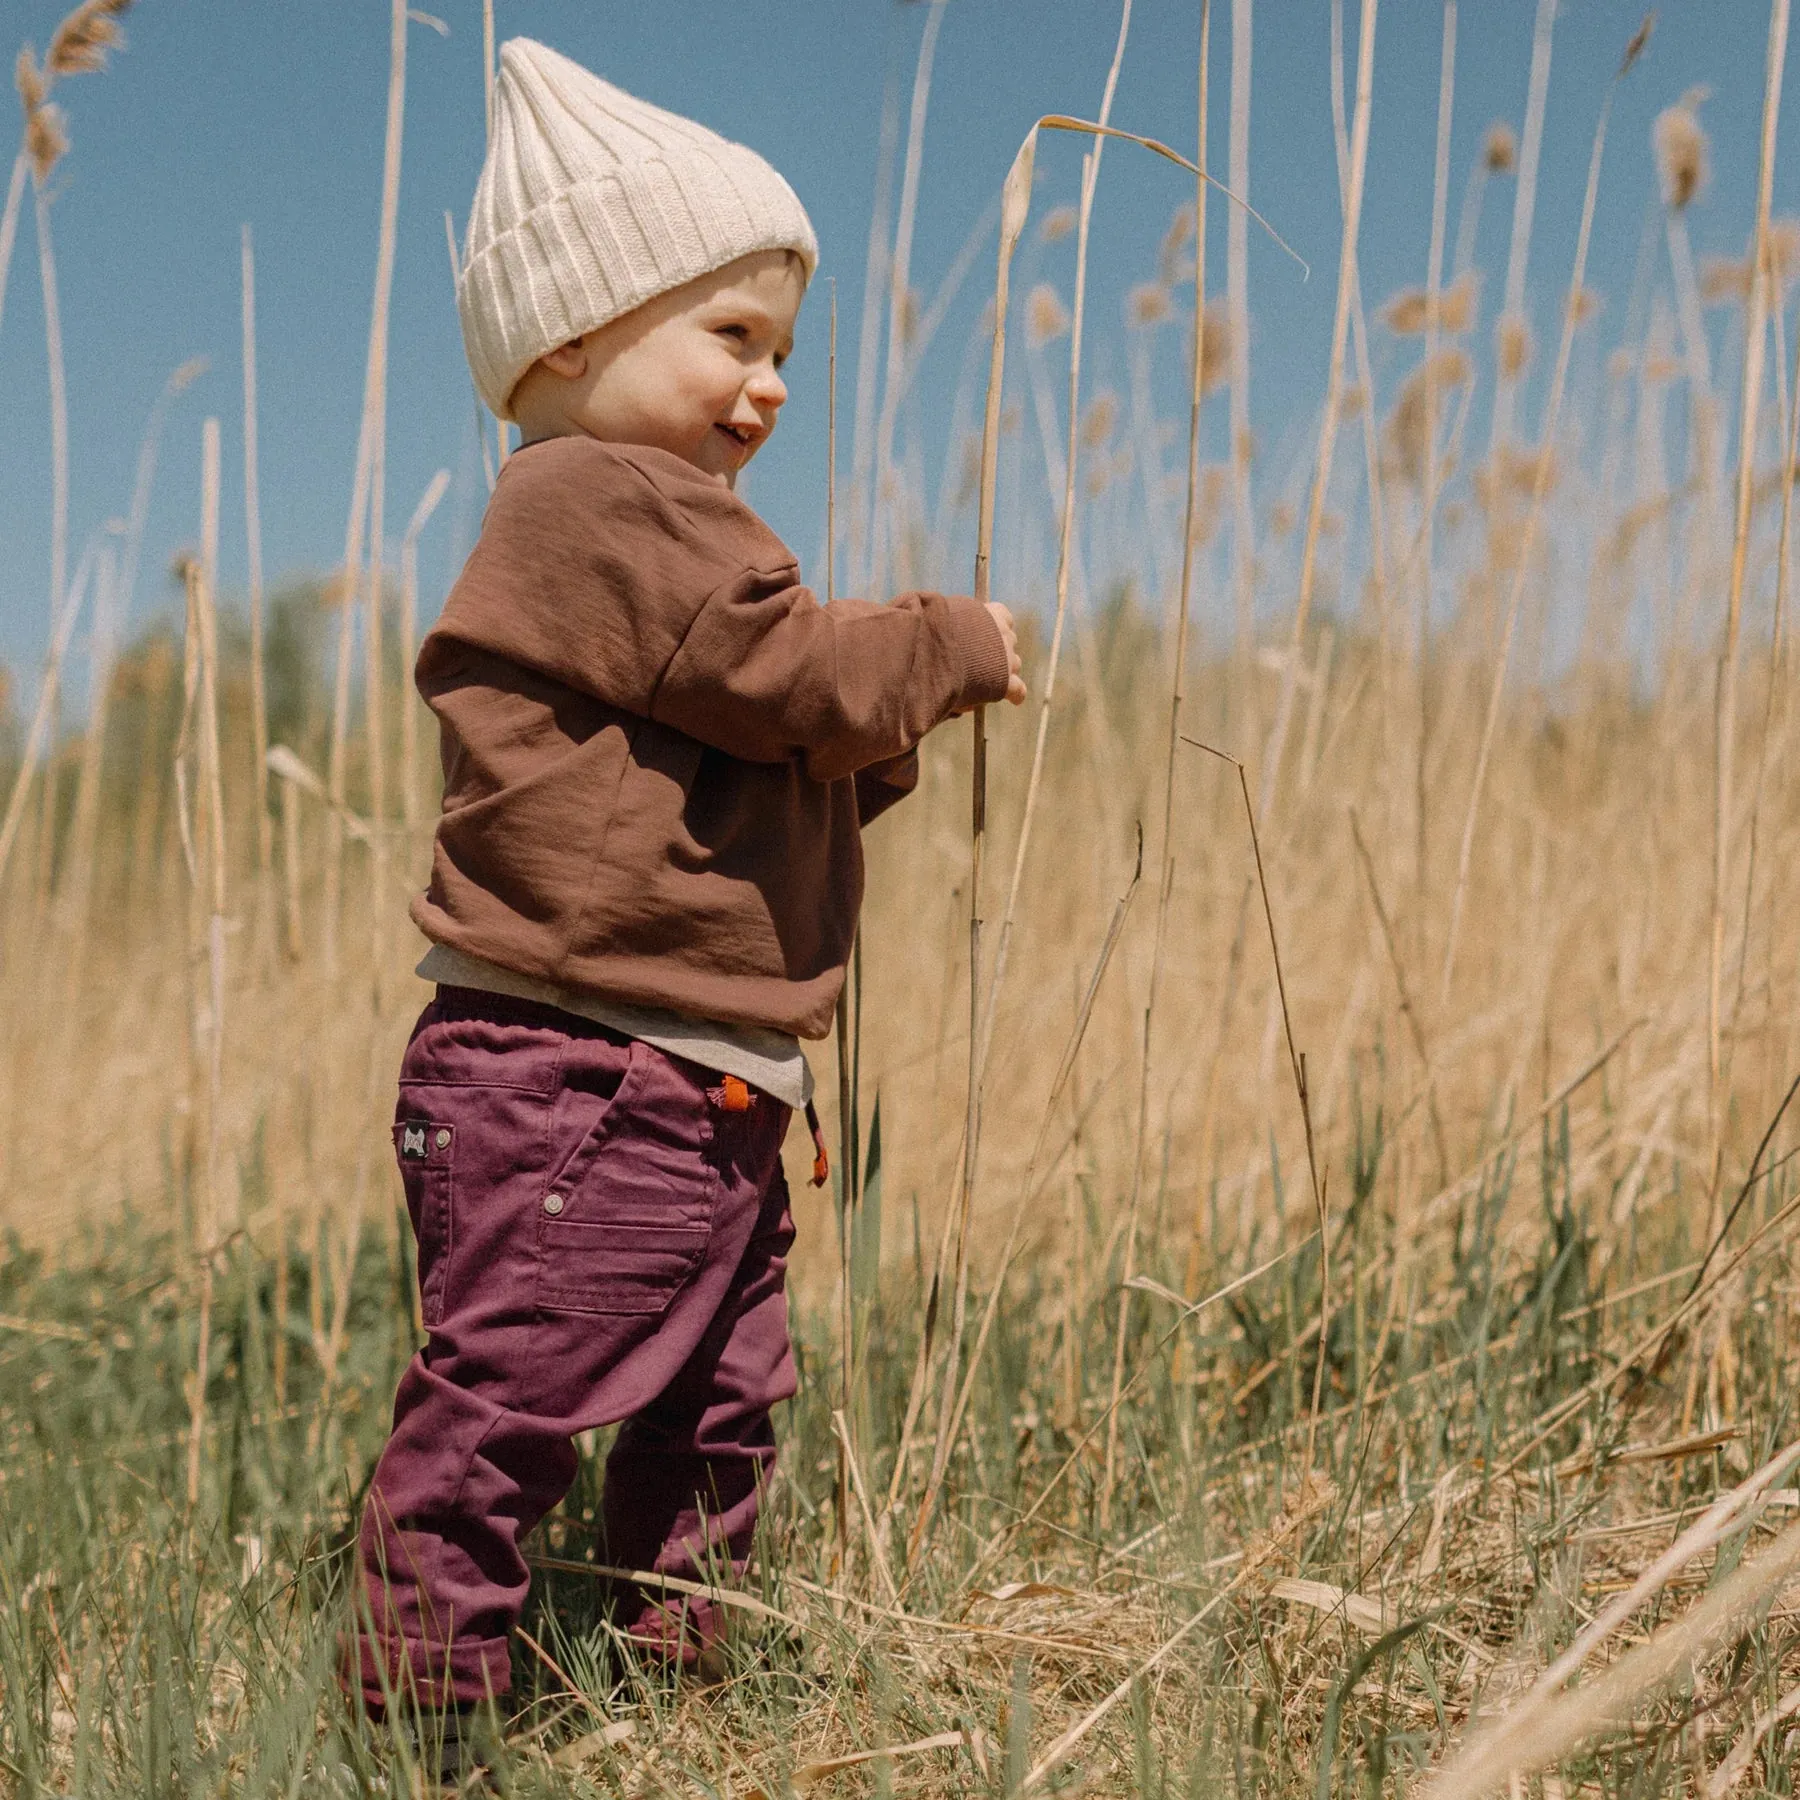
38, 732
374, 667
847, 1097
1518, 253
1165, 886
1237, 303
365, 506
899, 266
435, 490
1725, 716
77, 876
1539, 487
1090, 175
1334, 392
203, 837
1014, 204
59, 507
259, 698
112, 611
868, 344
9, 220
1434, 284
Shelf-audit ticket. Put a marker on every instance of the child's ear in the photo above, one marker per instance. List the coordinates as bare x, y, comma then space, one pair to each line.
569, 360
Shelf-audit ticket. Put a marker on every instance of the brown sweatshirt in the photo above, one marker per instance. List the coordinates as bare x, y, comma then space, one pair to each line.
659, 748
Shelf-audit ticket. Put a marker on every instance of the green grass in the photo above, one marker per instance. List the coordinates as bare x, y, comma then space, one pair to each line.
150, 1650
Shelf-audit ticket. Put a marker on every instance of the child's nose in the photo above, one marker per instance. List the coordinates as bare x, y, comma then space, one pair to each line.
766, 387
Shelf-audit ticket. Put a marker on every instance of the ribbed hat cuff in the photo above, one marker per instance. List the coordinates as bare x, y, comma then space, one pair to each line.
604, 247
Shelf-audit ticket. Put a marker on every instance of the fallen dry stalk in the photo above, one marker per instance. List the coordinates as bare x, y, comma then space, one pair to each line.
1544, 1728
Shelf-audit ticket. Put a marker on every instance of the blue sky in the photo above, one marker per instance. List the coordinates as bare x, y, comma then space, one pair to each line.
221, 112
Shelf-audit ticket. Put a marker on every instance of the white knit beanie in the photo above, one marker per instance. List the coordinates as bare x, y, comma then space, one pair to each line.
590, 203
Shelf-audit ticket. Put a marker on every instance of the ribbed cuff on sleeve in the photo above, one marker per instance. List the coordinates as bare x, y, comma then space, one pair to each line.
985, 670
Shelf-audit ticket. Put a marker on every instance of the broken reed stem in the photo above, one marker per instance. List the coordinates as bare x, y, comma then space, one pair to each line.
409, 651
1297, 1067
259, 697
899, 265
1524, 203
1334, 391
1542, 1730
1725, 715
1177, 692
1539, 487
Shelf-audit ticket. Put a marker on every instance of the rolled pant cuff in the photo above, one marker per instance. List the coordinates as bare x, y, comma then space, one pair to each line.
391, 1670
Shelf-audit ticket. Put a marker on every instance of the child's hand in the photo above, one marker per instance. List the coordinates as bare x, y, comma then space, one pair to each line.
1015, 678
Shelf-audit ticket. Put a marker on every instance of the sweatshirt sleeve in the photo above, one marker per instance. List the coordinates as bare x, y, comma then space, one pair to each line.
766, 672
625, 574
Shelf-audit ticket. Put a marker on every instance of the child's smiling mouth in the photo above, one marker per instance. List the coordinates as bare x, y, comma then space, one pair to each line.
741, 436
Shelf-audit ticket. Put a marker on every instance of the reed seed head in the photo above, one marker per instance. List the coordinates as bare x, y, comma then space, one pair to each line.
1512, 341
1147, 305
82, 41
1585, 304
1059, 221
1098, 422
1172, 264
1499, 149
1406, 430
1725, 280
1512, 475
46, 139
1046, 318
1215, 348
1409, 312
1783, 251
1681, 149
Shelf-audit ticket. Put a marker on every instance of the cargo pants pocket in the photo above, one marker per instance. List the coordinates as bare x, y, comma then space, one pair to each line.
626, 1221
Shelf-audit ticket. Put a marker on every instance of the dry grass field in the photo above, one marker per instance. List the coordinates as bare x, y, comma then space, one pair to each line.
1370, 1371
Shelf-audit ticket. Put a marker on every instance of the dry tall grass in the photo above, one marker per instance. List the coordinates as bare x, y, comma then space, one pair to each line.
1545, 1041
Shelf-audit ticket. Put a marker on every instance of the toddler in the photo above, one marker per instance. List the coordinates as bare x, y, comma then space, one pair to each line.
659, 751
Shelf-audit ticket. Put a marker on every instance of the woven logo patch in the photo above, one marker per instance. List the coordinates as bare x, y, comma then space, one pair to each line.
412, 1142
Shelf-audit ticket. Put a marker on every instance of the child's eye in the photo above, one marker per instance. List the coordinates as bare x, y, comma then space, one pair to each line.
739, 334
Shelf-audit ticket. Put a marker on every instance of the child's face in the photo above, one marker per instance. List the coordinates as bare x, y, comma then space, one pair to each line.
695, 371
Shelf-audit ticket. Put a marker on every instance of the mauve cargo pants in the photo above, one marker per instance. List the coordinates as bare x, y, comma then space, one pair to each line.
602, 1237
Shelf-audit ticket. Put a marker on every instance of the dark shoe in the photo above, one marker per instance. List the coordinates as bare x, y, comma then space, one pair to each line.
457, 1748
